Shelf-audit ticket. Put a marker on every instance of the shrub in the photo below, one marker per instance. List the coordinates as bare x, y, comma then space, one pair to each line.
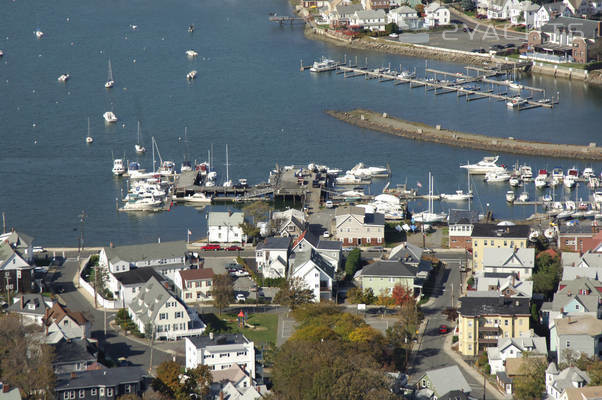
454, 339
593, 65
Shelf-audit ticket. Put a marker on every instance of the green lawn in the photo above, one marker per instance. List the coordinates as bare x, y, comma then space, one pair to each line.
264, 330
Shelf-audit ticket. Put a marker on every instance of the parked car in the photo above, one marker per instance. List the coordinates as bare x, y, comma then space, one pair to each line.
211, 247
240, 298
510, 45
467, 29
233, 267
443, 329
240, 273
233, 248
39, 249
329, 204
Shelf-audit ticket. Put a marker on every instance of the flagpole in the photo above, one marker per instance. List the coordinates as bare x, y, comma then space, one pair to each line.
187, 236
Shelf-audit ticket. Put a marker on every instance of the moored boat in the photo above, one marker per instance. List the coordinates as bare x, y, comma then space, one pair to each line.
324, 65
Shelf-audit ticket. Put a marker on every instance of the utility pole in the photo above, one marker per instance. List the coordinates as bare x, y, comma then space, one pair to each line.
7, 276
3, 222
152, 338
105, 309
484, 386
82, 220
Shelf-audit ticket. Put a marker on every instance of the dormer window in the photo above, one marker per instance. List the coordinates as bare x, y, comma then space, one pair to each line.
31, 306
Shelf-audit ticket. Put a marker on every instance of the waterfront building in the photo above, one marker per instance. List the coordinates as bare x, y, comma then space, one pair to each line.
405, 18
495, 236
355, 226
221, 352
373, 20
460, 224
225, 227
436, 15
550, 11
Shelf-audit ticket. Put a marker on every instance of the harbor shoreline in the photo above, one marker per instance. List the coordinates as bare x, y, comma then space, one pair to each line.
382, 122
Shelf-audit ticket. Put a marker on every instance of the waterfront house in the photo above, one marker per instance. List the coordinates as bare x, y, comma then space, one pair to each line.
514, 348
316, 273
517, 261
20, 243
443, 381
461, 223
271, 256
129, 283
330, 250
373, 20
557, 382
221, 352
342, 15
225, 227
548, 12
61, 322
500, 9
31, 307
383, 275
156, 309
436, 15
575, 335
482, 320
495, 236
523, 13
195, 285
71, 355
354, 226
406, 18
289, 223
16, 274
106, 383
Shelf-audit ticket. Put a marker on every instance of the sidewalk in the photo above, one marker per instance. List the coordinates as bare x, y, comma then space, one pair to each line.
492, 393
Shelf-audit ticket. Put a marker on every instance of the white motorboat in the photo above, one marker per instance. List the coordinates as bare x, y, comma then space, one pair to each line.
597, 197
557, 176
498, 176
118, 167
110, 117
324, 65
569, 181
513, 85
39, 34
333, 171
89, 138
514, 181
348, 179
191, 53
197, 198
407, 75
541, 182
593, 182
516, 102
510, 196
185, 166
110, 82
142, 204
546, 198
565, 214
63, 77
167, 168
458, 196
1, 53
191, 75
526, 173
487, 164
139, 148
352, 194
588, 173
524, 196
361, 171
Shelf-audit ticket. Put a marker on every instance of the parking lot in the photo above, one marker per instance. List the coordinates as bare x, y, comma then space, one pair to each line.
241, 284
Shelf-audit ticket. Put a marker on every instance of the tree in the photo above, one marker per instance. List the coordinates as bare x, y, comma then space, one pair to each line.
365, 334
250, 230
384, 300
401, 295
547, 274
167, 381
174, 383
259, 211
293, 293
391, 28
223, 291
199, 382
352, 263
467, 5
531, 383
359, 296
420, 9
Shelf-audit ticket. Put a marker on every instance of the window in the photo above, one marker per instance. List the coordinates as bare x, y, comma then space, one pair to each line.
568, 344
101, 392
188, 285
222, 355
128, 388
162, 316
109, 392
188, 295
82, 393
179, 314
241, 353
93, 392
576, 306
66, 395
175, 327
469, 323
506, 322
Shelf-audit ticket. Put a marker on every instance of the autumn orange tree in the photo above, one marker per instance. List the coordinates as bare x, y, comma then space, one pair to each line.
402, 295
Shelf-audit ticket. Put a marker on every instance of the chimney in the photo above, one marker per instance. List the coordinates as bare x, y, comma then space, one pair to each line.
221, 395
210, 335
73, 375
22, 302
5, 387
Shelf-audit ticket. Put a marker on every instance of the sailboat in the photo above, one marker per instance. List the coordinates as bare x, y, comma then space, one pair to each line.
110, 82
139, 148
89, 138
228, 182
186, 164
429, 216
459, 195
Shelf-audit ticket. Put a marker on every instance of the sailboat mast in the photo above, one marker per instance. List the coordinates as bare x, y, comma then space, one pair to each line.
88, 126
153, 146
469, 190
227, 165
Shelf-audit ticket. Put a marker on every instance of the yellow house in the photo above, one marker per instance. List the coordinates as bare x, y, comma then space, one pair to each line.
492, 235
482, 320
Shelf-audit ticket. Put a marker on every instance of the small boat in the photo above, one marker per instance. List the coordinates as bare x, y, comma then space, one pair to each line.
147, 203
546, 198
513, 85
39, 34
243, 182
514, 181
63, 77
197, 198
541, 182
499, 176
487, 164
569, 181
593, 182
134, 27
191, 75
190, 28
407, 75
557, 176
526, 173
588, 173
324, 65
393, 35
118, 167
191, 53
186, 166
565, 214
110, 82
1, 53
89, 138
348, 180
458, 196
110, 116
597, 197
510, 196
139, 148
516, 102
524, 196
167, 168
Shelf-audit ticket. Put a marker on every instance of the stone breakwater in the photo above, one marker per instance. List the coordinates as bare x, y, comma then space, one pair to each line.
418, 131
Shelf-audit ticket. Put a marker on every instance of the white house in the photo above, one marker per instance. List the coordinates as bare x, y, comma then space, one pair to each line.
130, 282
271, 256
557, 382
514, 348
549, 11
60, 322
500, 9
224, 227
195, 285
31, 307
517, 261
316, 273
374, 20
405, 18
155, 308
523, 13
502, 284
221, 352
436, 15
330, 250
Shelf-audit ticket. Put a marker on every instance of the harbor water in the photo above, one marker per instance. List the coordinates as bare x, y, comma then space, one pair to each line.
248, 94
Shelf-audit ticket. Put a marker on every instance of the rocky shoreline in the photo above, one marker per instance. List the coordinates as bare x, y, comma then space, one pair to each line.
418, 131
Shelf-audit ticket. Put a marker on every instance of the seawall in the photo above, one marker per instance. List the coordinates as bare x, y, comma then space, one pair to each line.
418, 131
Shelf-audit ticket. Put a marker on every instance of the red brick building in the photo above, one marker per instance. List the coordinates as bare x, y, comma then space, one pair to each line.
461, 223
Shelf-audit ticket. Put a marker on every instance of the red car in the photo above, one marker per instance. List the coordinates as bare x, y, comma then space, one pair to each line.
443, 329
233, 248
211, 247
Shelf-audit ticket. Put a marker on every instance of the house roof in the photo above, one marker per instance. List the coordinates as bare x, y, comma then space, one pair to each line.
149, 300
592, 260
528, 6
556, 6
455, 395
227, 218
475, 306
196, 274
501, 375
57, 312
72, 350
484, 283
36, 299
463, 217
349, 210
495, 231
389, 268
514, 365
10, 394
579, 325
572, 273
563, 229
533, 344
568, 377
275, 243
110, 377
584, 393
407, 252
434, 6
317, 241
578, 284
302, 257
403, 10
137, 276
370, 14
233, 374
17, 240
374, 218
445, 380
146, 251
218, 340
348, 10
509, 257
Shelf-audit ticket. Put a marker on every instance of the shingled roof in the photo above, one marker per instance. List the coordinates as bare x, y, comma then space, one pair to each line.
476, 306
